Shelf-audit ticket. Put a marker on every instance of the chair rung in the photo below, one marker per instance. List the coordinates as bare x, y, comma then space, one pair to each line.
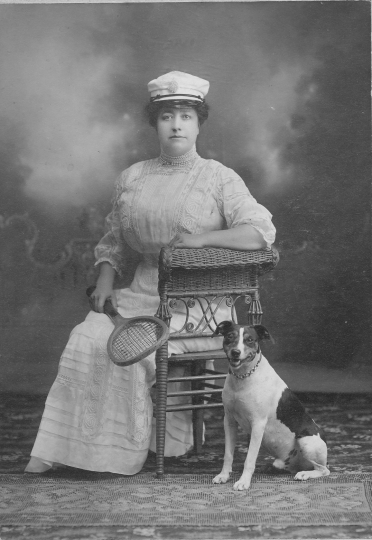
194, 392
202, 355
171, 408
197, 378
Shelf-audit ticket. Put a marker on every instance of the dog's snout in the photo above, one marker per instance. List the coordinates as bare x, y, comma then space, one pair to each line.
235, 353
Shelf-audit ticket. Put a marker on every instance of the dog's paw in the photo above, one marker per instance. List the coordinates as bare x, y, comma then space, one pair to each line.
242, 484
221, 478
306, 475
303, 475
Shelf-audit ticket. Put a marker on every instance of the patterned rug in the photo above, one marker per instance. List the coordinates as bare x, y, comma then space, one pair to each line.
184, 499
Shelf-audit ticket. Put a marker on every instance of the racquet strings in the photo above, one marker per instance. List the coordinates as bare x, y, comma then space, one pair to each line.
135, 339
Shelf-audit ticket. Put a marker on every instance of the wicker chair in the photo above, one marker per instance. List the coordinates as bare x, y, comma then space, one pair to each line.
207, 278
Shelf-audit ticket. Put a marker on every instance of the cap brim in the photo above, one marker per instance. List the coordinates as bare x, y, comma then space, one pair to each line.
178, 97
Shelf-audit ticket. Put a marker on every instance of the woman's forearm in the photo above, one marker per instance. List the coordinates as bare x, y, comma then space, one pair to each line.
243, 237
106, 274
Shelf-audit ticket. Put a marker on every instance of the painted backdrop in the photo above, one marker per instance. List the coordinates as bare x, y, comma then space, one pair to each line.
290, 113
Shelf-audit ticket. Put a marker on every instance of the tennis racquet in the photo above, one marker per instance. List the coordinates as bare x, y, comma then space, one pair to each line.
132, 339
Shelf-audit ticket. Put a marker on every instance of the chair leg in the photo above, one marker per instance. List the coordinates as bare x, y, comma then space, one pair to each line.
161, 405
197, 424
198, 414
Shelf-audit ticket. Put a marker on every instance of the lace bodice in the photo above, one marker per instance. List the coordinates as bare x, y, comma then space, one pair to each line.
158, 198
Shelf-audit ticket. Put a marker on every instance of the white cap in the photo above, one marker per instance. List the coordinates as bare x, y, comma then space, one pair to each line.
178, 86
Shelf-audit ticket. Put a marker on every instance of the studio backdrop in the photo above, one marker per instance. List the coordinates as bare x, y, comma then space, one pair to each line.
289, 112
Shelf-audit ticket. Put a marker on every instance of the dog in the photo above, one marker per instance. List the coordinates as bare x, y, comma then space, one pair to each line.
256, 398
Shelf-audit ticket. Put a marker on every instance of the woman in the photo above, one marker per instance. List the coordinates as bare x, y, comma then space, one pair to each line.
98, 416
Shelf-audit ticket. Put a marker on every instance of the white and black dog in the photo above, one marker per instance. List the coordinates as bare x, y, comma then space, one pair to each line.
256, 398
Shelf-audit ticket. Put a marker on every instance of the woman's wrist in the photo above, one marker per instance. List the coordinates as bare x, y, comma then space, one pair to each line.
106, 275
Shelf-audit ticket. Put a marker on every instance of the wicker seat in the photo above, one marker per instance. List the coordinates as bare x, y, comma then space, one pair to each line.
206, 278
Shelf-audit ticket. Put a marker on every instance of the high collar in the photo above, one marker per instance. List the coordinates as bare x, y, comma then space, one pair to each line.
185, 159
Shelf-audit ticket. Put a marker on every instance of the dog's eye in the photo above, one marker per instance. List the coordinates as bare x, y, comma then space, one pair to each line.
249, 340
231, 335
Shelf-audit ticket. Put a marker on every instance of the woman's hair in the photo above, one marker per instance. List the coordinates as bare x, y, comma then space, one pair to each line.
152, 110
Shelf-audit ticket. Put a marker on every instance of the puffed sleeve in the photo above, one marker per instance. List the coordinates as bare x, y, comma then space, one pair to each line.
112, 247
239, 207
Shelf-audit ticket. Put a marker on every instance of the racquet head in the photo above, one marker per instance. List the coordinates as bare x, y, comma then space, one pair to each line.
132, 339
135, 339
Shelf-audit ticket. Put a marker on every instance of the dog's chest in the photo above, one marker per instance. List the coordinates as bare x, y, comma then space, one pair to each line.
253, 399
248, 410
243, 406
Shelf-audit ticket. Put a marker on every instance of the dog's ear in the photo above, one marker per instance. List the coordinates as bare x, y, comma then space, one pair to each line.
262, 332
222, 328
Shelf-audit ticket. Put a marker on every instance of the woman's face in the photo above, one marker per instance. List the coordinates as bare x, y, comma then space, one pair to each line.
177, 130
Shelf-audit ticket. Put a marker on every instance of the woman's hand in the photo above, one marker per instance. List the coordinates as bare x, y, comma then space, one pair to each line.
99, 297
104, 288
185, 240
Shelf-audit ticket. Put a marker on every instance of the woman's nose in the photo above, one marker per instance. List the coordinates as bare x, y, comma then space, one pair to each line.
176, 124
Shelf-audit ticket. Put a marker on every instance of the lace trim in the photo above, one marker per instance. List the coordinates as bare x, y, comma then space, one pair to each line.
65, 380
185, 159
98, 386
188, 211
139, 429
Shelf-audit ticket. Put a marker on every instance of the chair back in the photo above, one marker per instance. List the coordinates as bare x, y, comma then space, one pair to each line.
209, 278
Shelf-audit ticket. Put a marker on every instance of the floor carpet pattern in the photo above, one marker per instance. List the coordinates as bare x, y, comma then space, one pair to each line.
51, 506
180, 499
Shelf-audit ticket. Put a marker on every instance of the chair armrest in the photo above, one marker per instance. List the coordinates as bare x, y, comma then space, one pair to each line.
214, 258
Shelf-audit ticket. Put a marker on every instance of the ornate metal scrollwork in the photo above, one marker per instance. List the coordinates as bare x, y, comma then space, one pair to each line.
207, 318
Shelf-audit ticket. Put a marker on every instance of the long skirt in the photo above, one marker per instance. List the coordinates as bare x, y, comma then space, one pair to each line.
99, 416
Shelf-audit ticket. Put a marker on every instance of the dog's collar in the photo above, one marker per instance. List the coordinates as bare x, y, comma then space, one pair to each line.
249, 373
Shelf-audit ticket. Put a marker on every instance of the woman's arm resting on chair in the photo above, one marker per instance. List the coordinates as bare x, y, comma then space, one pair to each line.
243, 237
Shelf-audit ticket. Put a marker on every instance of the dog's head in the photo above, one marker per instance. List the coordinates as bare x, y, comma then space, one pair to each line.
241, 343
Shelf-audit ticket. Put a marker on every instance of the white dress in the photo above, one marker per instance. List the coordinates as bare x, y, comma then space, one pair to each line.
98, 416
